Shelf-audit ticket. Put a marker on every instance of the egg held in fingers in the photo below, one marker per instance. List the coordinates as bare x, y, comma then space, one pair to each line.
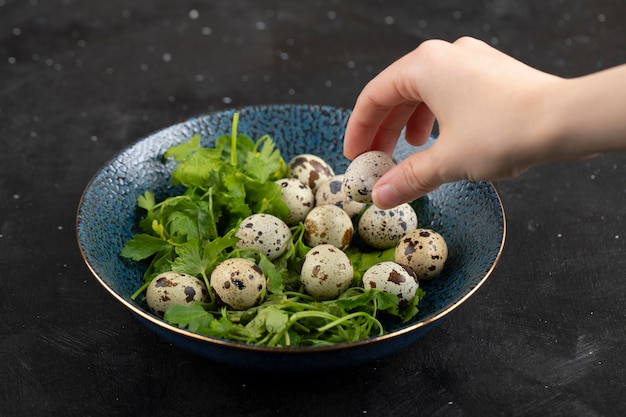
364, 171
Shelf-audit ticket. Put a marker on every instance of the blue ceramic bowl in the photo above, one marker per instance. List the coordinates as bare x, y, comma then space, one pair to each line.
468, 214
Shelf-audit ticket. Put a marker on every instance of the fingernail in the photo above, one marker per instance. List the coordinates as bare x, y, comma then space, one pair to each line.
386, 196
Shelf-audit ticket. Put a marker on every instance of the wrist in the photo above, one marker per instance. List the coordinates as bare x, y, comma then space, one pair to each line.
585, 115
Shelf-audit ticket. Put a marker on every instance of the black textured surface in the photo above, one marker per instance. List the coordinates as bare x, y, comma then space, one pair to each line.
80, 80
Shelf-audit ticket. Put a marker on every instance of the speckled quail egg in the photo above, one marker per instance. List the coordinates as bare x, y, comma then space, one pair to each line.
298, 197
310, 169
364, 171
424, 251
382, 229
266, 233
328, 224
238, 283
326, 272
392, 278
331, 192
173, 288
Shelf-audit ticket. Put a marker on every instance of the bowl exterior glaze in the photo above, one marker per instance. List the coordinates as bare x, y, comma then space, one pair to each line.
468, 214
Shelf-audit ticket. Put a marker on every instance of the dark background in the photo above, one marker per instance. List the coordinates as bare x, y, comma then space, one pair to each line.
80, 80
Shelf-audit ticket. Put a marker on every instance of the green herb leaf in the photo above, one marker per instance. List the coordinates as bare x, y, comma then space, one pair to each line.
143, 246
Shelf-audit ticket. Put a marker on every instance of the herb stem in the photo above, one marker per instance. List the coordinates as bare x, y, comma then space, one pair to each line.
340, 320
233, 140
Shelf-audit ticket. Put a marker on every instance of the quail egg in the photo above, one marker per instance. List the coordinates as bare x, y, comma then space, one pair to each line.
382, 229
239, 283
266, 233
310, 169
328, 224
326, 272
173, 288
424, 251
298, 197
392, 278
331, 192
364, 171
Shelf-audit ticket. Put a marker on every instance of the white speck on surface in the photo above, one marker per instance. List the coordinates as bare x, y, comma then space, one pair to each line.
592, 177
59, 227
199, 77
291, 92
389, 20
350, 64
17, 31
328, 83
94, 138
171, 99
167, 57
227, 100
194, 14
33, 134
206, 31
559, 235
12, 60
16, 196
602, 18
331, 15
260, 25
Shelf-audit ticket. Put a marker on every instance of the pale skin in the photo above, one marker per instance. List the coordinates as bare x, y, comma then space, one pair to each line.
497, 117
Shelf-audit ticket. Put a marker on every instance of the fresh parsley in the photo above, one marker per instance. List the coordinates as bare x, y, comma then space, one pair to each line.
194, 231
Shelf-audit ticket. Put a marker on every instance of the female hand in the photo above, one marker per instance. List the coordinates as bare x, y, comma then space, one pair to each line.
497, 117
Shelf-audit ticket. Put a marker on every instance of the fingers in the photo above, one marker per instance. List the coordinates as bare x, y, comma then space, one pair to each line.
414, 177
420, 126
393, 100
389, 130
381, 111
375, 124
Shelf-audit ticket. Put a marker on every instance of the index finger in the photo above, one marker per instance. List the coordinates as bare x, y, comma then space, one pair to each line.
380, 112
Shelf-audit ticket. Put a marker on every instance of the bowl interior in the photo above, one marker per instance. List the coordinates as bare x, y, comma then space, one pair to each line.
468, 214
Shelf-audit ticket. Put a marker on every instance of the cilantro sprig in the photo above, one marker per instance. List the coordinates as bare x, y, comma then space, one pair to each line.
194, 231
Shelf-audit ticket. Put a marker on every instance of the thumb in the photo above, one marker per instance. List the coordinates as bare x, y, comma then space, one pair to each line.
410, 179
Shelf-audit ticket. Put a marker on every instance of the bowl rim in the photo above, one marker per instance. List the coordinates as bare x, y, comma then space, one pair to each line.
154, 320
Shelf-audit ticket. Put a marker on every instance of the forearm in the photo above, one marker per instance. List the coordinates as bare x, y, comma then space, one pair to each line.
589, 114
